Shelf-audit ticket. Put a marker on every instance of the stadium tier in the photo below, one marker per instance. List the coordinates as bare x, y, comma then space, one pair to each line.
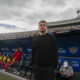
64, 26
58, 26
67, 33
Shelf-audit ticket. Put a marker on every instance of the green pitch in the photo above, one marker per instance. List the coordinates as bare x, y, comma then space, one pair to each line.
5, 77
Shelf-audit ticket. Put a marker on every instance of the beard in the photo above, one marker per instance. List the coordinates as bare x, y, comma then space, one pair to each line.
43, 31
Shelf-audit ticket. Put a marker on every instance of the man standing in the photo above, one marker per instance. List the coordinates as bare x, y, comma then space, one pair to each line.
44, 54
18, 55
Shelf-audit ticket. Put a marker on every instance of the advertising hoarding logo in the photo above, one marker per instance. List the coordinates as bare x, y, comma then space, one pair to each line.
29, 50
75, 64
73, 50
7, 49
61, 50
2, 49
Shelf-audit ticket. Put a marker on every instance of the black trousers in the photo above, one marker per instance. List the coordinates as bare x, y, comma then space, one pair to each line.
70, 78
44, 73
17, 65
25, 69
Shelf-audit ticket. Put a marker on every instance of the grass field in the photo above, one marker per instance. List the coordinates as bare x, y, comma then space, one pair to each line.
6, 77
9, 76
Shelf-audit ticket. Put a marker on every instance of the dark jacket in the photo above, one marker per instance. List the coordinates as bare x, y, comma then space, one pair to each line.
45, 51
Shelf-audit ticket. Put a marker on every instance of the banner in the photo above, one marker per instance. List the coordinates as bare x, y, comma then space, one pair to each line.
69, 46
4, 49
69, 51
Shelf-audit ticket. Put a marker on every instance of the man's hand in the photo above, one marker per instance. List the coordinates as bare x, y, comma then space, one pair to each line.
62, 73
70, 75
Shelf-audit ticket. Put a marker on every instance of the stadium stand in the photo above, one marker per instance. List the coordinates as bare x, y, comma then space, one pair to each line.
67, 33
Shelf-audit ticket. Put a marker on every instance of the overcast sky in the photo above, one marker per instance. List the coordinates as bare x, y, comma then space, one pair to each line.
23, 15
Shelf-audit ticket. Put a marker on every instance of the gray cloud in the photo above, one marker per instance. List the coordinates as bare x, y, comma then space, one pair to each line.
14, 3
8, 26
69, 13
54, 3
30, 12
13, 8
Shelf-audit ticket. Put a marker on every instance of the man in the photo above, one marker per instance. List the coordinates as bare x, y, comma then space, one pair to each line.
27, 66
44, 54
1, 60
7, 64
66, 71
18, 55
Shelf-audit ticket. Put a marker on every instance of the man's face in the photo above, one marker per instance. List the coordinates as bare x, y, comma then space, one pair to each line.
17, 50
65, 63
42, 27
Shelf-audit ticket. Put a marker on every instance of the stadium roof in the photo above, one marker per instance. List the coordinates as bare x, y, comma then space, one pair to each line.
64, 22
25, 34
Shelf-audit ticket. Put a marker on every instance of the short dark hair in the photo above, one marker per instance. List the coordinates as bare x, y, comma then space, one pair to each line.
43, 21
